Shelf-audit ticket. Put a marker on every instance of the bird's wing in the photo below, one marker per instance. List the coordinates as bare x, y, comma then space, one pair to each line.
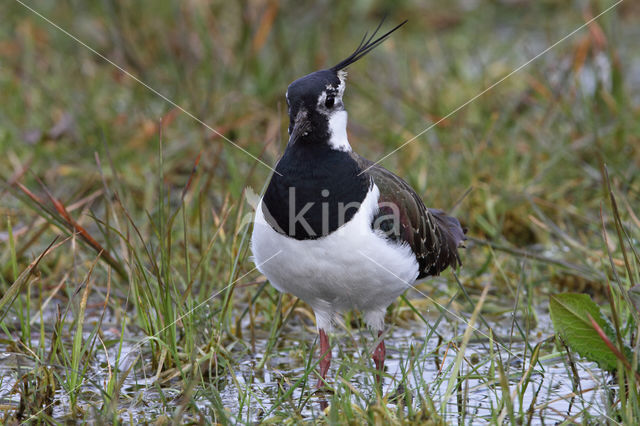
433, 236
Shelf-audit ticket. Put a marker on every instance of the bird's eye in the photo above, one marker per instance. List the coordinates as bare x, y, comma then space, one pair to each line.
329, 102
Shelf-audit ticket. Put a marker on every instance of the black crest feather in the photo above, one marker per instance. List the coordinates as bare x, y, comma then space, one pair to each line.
365, 46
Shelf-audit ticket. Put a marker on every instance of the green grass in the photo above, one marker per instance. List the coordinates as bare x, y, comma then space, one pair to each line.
127, 288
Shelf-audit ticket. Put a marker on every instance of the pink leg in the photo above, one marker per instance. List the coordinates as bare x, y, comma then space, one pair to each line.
378, 358
325, 357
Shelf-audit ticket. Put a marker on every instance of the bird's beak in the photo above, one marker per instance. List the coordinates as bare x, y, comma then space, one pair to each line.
301, 126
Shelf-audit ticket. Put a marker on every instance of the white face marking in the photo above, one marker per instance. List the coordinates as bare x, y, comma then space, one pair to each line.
342, 75
337, 117
321, 99
338, 130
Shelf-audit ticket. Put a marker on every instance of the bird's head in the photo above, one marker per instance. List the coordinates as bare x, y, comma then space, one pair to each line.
316, 110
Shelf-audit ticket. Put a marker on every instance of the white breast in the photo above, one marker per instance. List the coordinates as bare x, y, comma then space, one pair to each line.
354, 267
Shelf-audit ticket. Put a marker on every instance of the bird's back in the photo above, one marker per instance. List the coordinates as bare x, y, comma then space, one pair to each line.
433, 236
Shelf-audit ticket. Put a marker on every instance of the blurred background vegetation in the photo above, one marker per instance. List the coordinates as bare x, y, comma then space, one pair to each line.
87, 148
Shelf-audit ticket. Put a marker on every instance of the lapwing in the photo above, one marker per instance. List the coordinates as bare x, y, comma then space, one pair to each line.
337, 230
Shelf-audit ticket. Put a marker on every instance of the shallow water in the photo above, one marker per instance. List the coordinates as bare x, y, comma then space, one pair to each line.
249, 393
550, 385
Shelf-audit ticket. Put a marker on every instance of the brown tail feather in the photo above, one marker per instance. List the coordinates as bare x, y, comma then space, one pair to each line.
453, 235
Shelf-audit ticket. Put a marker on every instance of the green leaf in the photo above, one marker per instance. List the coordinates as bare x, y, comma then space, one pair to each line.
569, 314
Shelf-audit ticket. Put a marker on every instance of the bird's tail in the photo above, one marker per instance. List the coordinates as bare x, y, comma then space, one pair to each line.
453, 234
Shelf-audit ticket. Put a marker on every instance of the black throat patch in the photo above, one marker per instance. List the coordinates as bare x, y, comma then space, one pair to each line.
318, 190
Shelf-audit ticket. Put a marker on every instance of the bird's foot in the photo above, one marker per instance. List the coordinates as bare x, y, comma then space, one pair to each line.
325, 358
378, 357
